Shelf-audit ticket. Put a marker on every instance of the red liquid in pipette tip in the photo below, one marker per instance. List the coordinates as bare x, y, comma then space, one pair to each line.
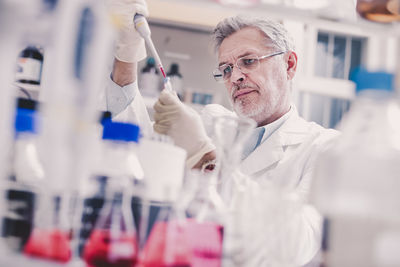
162, 71
49, 244
105, 250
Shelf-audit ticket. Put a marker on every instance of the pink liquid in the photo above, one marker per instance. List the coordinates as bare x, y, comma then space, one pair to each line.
160, 252
49, 244
205, 240
192, 244
105, 250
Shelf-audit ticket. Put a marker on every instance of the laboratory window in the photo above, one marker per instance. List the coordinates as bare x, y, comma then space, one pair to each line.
336, 57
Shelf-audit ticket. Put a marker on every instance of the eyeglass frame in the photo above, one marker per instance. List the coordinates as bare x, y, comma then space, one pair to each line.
235, 65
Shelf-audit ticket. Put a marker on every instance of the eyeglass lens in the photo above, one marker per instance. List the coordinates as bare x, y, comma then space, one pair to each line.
245, 64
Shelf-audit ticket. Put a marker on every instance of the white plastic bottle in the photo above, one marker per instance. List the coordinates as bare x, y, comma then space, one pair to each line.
357, 181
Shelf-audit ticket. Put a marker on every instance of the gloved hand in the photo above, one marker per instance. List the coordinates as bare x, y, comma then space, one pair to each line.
183, 125
129, 46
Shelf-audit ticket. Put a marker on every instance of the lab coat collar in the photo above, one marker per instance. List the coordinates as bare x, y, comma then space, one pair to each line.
293, 131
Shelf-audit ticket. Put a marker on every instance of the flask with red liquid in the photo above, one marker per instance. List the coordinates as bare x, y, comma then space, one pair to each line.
205, 224
167, 245
113, 241
51, 236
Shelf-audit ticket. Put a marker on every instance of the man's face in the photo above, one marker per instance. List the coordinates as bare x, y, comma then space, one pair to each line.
262, 94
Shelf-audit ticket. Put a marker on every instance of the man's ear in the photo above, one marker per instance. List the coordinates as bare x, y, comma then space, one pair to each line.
291, 63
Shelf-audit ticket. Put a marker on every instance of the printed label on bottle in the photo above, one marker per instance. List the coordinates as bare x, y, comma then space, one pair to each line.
28, 69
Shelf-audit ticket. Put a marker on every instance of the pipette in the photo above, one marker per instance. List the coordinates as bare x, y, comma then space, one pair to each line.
143, 28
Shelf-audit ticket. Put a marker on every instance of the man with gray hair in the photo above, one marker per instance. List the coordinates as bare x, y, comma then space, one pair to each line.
257, 63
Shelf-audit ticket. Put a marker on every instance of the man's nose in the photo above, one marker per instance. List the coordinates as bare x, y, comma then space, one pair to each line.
237, 75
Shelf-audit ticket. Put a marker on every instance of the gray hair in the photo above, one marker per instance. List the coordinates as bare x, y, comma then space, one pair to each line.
274, 31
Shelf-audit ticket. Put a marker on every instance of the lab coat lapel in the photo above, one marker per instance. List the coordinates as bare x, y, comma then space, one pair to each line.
264, 155
293, 132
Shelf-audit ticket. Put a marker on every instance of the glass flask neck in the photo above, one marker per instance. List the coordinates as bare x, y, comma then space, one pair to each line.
230, 135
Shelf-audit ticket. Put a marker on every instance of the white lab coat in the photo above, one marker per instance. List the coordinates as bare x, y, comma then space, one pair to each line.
126, 105
287, 157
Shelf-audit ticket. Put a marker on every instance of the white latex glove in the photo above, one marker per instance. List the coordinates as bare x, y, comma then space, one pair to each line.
129, 46
183, 125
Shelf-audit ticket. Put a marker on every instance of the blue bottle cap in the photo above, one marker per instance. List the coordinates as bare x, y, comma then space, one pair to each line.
119, 131
378, 80
25, 120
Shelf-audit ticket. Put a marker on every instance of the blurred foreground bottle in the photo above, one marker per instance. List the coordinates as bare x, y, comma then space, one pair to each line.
25, 174
93, 188
384, 11
29, 66
113, 239
356, 181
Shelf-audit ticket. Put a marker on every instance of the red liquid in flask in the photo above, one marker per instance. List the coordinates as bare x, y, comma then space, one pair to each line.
157, 254
49, 244
105, 249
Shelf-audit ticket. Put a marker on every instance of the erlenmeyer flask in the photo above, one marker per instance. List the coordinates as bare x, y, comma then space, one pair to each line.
93, 201
113, 242
50, 238
230, 135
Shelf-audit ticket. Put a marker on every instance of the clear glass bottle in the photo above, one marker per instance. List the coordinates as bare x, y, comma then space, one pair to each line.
356, 180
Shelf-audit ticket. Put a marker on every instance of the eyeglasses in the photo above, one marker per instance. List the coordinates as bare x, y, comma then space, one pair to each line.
244, 64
